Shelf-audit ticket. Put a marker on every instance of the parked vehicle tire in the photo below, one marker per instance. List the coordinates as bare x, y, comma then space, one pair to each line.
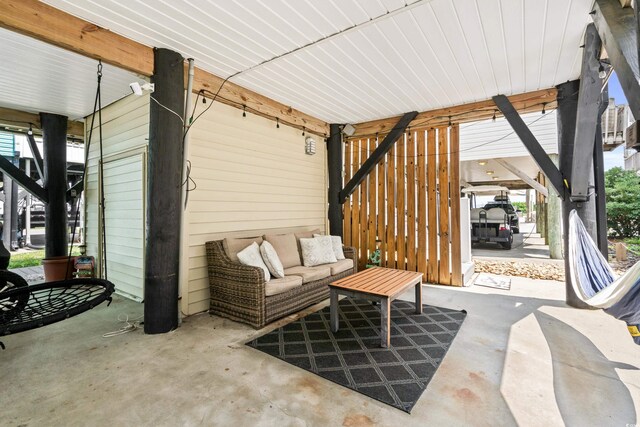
516, 230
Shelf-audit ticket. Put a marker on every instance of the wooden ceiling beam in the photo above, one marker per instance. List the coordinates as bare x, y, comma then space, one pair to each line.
237, 96
19, 120
482, 110
53, 26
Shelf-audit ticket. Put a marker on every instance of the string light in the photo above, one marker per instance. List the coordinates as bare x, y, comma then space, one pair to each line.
494, 116
244, 111
544, 106
303, 130
449, 120
277, 122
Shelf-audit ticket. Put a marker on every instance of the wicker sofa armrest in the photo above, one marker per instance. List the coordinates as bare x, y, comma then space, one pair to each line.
350, 252
237, 290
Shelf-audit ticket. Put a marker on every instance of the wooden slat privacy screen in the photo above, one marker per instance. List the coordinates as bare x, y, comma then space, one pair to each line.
409, 203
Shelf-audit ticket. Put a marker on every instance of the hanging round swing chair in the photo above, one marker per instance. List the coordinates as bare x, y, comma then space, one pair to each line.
24, 307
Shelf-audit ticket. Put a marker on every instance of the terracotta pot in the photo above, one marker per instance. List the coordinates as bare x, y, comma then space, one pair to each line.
54, 268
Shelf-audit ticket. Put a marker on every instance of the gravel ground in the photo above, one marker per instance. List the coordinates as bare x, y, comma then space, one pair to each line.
538, 270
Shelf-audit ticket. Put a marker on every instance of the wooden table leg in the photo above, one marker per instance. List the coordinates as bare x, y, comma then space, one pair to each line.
385, 322
333, 310
419, 298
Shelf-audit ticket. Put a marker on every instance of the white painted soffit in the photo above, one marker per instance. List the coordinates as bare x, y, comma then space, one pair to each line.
39, 77
429, 54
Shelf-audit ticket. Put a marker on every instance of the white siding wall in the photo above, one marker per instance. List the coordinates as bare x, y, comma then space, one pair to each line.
125, 131
482, 140
251, 178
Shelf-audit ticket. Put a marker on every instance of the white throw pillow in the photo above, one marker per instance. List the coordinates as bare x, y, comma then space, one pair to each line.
251, 256
270, 258
336, 242
316, 251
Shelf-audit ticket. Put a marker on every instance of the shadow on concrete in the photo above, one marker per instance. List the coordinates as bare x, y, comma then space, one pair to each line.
587, 387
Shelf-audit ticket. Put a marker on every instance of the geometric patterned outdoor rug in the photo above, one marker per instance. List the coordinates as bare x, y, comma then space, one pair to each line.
352, 357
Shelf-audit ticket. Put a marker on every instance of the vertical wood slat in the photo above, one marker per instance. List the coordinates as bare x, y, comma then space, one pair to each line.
355, 209
391, 209
363, 207
401, 212
443, 186
411, 201
454, 176
432, 224
372, 192
346, 212
422, 205
381, 209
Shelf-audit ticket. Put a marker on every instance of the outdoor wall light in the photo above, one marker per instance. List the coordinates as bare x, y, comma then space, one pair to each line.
310, 146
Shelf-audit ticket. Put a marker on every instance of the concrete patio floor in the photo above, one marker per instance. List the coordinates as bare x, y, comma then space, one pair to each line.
521, 358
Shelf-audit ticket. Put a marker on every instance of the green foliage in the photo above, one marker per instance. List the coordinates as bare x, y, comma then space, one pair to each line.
520, 206
31, 258
623, 202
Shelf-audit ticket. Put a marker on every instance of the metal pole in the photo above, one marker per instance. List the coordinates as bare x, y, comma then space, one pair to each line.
27, 221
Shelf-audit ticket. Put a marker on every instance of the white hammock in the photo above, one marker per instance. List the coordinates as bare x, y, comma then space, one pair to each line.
594, 281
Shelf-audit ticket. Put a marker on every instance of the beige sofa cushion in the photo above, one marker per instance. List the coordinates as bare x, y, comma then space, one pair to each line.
340, 266
283, 284
309, 274
286, 248
232, 245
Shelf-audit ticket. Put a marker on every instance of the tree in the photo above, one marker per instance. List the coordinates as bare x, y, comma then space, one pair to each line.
622, 188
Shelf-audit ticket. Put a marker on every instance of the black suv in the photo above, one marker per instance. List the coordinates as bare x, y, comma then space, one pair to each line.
514, 221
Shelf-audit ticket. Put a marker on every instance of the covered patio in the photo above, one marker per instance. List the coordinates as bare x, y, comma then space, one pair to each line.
522, 357
264, 120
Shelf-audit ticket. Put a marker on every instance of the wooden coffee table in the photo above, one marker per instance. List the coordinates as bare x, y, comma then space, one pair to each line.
376, 284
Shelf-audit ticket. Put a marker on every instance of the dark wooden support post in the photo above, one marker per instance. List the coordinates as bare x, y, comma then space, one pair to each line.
377, 155
164, 194
566, 113
13, 205
7, 185
617, 27
54, 136
335, 163
530, 142
587, 116
598, 172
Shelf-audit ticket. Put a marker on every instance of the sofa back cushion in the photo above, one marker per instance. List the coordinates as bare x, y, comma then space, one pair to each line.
232, 245
316, 251
286, 247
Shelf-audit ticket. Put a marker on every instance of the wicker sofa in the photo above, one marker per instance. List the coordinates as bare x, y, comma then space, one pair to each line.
240, 292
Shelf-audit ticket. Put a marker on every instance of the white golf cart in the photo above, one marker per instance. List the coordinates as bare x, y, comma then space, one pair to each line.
489, 225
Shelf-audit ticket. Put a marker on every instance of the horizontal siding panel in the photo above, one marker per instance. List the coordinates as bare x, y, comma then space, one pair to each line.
489, 140
252, 179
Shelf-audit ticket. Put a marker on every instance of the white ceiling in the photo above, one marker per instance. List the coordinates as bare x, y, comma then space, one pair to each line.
422, 55
471, 171
38, 77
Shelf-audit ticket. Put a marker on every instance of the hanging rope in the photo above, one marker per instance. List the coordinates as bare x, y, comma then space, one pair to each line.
97, 108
